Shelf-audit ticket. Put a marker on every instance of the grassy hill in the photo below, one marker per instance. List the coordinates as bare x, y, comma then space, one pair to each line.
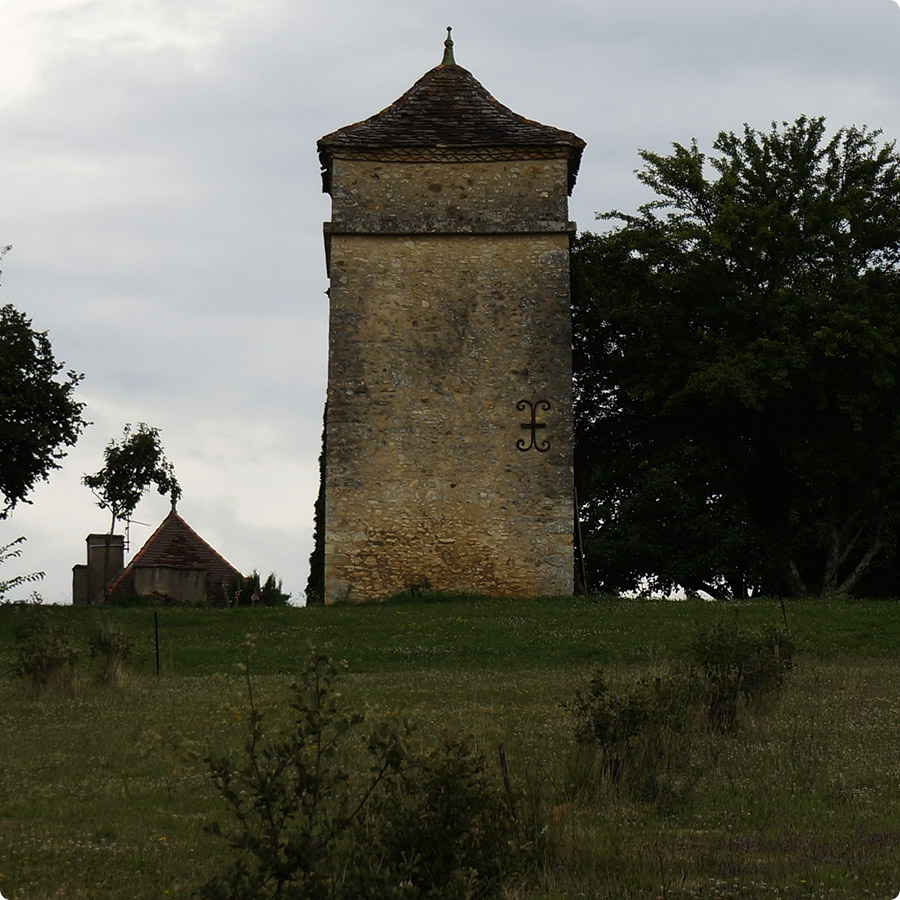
98, 798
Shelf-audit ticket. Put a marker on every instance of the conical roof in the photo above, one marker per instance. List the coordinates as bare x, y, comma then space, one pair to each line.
448, 109
176, 545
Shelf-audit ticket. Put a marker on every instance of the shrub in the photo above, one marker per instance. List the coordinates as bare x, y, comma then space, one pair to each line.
248, 591
642, 738
46, 659
741, 666
289, 797
643, 735
327, 810
111, 649
444, 829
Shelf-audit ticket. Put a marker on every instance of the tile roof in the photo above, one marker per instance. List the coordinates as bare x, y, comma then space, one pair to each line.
447, 109
176, 545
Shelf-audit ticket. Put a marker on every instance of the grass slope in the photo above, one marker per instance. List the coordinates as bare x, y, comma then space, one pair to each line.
802, 801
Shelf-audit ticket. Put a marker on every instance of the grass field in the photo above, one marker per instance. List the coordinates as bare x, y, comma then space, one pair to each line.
803, 800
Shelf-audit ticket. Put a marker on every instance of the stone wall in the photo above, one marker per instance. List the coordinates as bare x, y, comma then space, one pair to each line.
450, 322
105, 560
437, 196
188, 586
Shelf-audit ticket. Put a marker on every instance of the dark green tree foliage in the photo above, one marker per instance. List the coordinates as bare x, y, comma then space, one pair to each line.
131, 466
250, 590
315, 583
736, 355
39, 415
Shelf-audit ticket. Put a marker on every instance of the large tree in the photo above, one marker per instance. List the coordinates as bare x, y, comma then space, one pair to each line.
737, 359
39, 415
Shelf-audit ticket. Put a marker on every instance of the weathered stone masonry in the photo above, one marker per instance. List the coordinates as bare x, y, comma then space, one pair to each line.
449, 456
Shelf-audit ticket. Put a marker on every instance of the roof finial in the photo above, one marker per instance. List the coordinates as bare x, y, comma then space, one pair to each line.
448, 59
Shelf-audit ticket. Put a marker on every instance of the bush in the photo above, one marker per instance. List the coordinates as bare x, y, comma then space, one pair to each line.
248, 591
739, 667
46, 659
642, 738
111, 649
327, 811
643, 735
443, 829
289, 797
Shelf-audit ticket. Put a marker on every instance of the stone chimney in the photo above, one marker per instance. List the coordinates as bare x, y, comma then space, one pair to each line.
105, 553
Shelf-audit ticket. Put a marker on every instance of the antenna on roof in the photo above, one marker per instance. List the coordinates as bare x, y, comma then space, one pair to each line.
448, 59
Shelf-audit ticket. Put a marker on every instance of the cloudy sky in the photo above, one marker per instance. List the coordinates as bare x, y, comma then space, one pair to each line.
160, 187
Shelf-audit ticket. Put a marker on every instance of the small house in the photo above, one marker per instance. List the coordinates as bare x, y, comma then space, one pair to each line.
174, 565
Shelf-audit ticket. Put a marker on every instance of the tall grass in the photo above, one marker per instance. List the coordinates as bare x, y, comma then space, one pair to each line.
99, 800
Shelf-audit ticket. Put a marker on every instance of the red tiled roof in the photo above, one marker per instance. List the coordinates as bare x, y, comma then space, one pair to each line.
176, 545
448, 108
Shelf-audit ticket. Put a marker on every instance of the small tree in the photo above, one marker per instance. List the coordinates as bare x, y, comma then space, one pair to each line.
132, 465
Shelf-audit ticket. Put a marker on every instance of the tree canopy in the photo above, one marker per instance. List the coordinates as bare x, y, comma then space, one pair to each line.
40, 415
737, 358
131, 466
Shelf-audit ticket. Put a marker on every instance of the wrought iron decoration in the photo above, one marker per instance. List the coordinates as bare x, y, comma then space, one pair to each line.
532, 443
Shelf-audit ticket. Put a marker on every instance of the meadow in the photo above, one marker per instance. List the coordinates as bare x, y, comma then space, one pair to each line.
99, 797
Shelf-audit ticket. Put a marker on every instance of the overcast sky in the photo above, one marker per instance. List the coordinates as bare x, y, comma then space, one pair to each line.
160, 186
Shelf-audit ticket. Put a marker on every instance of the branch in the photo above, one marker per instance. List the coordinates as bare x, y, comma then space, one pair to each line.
865, 563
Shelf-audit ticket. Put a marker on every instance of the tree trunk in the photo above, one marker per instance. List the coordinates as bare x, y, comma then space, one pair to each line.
840, 548
788, 573
862, 567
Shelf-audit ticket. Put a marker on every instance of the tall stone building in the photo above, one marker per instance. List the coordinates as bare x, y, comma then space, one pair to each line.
448, 458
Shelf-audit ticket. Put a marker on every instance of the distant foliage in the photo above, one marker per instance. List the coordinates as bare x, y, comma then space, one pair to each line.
315, 583
249, 591
130, 467
737, 369
111, 649
46, 658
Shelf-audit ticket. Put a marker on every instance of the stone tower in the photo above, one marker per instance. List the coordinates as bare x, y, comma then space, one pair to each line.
448, 459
